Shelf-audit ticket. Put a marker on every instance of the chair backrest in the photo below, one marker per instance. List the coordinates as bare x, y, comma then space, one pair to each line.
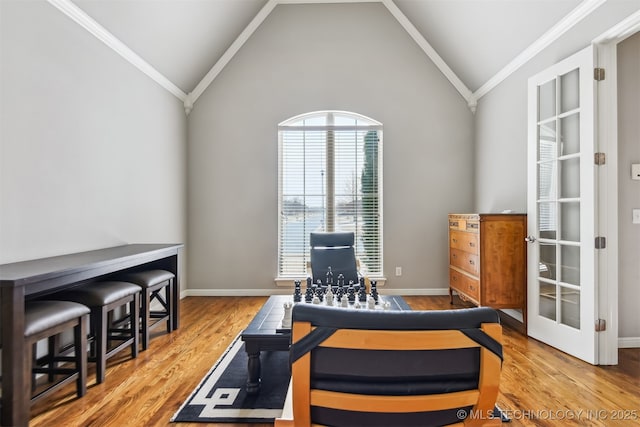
381, 368
335, 250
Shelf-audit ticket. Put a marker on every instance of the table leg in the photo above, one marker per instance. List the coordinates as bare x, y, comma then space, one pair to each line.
253, 369
15, 369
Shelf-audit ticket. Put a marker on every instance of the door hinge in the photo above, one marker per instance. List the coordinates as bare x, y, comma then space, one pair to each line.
600, 159
601, 242
601, 325
598, 74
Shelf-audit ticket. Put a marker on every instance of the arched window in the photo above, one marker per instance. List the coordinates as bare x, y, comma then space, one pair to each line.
330, 179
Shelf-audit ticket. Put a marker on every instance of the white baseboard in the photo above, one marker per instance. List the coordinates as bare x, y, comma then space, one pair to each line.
233, 292
287, 291
629, 342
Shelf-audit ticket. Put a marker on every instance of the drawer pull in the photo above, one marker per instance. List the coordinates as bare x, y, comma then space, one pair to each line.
454, 256
454, 278
471, 262
454, 240
473, 245
472, 288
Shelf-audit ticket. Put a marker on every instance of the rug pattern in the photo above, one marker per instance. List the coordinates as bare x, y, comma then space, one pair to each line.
221, 395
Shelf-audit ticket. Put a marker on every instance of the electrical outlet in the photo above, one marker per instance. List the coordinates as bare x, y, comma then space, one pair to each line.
636, 216
398, 271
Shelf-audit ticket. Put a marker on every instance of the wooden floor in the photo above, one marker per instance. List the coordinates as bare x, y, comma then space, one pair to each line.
540, 386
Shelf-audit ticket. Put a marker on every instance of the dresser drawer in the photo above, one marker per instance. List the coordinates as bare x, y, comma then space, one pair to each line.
467, 242
464, 284
464, 260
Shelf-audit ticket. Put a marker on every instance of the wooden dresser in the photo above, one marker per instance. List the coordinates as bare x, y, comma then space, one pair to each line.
488, 259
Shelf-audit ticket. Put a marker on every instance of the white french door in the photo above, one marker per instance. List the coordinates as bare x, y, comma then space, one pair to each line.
561, 207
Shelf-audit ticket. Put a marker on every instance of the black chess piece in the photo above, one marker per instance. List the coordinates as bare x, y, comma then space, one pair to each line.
308, 296
374, 291
351, 296
340, 290
329, 279
362, 294
297, 293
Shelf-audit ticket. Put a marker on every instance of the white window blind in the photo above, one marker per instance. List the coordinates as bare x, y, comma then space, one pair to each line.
330, 179
547, 181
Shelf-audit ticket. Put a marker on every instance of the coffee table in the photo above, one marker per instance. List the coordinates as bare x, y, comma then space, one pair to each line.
265, 333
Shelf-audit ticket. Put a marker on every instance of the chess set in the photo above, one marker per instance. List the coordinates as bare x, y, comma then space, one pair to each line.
334, 294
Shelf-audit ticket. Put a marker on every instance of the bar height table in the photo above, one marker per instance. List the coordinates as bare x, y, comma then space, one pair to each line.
22, 280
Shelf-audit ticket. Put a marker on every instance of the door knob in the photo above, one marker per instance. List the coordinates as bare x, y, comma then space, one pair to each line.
530, 239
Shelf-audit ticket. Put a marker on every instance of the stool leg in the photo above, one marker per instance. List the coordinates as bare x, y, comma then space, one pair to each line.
80, 343
134, 312
101, 327
169, 299
30, 377
52, 353
144, 315
31, 352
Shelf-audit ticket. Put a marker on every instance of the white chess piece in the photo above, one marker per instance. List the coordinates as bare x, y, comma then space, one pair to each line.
387, 305
357, 305
315, 299
286, 319
344, 302
329, 296
371, 303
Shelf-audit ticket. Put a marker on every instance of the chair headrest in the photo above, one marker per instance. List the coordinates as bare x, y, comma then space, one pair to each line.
340, 318
328, 239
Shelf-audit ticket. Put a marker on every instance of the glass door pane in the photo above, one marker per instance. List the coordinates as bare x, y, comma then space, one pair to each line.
558, 185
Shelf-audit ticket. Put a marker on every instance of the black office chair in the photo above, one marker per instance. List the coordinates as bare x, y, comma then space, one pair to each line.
335, 250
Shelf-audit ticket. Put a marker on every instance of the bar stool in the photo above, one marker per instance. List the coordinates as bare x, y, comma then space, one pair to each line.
47, 319
152, 283
102, 298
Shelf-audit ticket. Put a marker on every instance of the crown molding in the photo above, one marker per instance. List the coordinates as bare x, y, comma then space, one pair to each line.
621, 31
430, 52
102, 34
231, 51
583, 10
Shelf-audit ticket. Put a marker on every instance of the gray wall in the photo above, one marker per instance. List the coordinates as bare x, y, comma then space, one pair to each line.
628, 189
303, 58
501, 126
92, 151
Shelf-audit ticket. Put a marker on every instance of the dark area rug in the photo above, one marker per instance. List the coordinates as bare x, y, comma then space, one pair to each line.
221, 396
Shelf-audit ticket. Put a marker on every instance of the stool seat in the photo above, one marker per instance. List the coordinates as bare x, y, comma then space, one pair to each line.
99, 293
40, 316
149, 278
49, 319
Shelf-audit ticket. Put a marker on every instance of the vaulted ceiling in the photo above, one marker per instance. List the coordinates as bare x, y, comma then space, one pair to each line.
185, 43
